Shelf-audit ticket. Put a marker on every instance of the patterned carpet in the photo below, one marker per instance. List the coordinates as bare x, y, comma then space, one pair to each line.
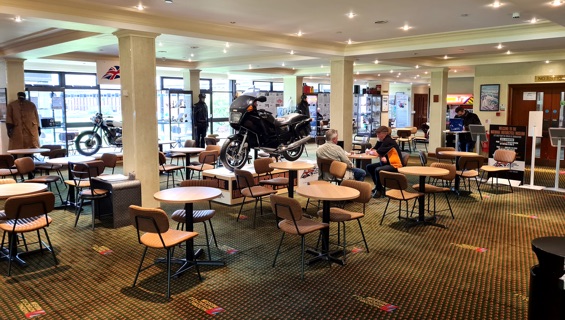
477, 268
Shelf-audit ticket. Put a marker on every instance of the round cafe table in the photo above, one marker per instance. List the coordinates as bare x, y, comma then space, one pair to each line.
20, 152
360, 158
327, 193
188, 152
422, 173
292, 167
187, 196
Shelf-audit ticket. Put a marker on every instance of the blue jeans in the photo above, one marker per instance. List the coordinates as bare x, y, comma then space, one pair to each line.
359, 174
468, 146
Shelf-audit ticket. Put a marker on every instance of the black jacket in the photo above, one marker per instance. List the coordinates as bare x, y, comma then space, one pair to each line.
200, 114
383, 147
302, 107
468, 118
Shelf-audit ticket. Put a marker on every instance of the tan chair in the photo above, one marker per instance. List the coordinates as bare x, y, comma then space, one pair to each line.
203, 216
404, 136
26, 166
7, 167
290, 211
249, 189
423, 158
341, 216
86, 171
206, 161
210, 141
504, 160
445, 188
263, 170
169, 169
337, 170
110, 160
53, 154
96, 168
469, 169
397, 185
26, 214
425, 140
440, 157
180, 155
155, 224
404, 159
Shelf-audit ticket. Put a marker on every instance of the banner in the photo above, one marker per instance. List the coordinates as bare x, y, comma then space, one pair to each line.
108, 71
509, 138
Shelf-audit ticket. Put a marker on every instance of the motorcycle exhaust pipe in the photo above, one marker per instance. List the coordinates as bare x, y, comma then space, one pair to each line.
269, 150
298, 143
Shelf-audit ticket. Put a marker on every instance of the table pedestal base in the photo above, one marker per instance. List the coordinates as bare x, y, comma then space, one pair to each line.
187, 264
431, 221
319, 256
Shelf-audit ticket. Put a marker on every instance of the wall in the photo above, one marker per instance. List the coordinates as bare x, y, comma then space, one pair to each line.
506, 74
460, 85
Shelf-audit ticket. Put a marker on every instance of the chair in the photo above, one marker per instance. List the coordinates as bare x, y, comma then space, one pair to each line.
248, 188
206, 161
504, 160
7, 167
336, 171
341, 216
26, 214
155, 224
469, 168
47, 154
425, 140
262, 169
169, 169
445, 188
180, 155
289, 210
404, 159
97, 168
215, 148
53, 154
25, 166
86, 171
320, 140
397, 183
199, 215
404, 136
110, 160
423, 158
440, 157
210, 141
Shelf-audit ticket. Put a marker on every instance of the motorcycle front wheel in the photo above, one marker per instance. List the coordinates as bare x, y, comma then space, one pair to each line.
230, 155
293, 154
88, 143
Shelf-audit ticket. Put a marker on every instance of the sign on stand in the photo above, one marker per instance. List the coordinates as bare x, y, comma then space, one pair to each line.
509, 138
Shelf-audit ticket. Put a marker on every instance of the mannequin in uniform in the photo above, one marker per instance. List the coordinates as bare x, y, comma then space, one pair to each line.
22, 122
200, 121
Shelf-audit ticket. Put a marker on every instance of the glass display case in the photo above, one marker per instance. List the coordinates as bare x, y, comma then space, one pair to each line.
174, 115
366, 113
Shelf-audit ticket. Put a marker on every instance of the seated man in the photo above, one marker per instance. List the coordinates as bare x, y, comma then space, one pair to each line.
390, 158
330, 150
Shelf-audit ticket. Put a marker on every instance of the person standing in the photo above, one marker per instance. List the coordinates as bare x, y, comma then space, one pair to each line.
200, 120
303, 106
330, 150
466, 142
22, 122
390, 158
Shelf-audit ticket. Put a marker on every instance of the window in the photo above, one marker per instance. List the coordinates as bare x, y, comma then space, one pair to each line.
262, 85
42, 79
172, 83
80, 80
278, 86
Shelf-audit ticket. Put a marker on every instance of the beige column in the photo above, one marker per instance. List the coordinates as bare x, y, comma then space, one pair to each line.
13, 80
194, 84
341, 100
292, 90
438, 103
139, 109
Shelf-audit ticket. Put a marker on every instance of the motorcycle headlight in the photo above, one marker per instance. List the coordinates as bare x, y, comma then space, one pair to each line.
235, 117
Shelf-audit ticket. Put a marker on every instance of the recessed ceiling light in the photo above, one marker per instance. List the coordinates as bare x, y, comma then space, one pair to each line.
391, 71
349, 41
140, 7
534, 20
227, 44
508, 52
321, 66
496, 4
417, 66
406, 27
169, 1
547, 61
189, 60
499, 46
299, 33
351, 15
225, 51
357, 73
192, 54
378, 74
18, 19
250, 67
376, 61
291, 51
556, 3
445, 57
283, 64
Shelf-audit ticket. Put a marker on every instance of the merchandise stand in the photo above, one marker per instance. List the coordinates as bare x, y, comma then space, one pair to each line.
557, 135
534, 126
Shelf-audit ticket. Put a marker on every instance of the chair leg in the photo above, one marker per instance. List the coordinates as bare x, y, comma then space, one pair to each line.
449, 205
344, 243
240, 208
213, 234
478, 187
78, 210
207, 240
50, 246
302, 257
278, 249
384, 213
139, 268
12, 245
363, 235
168, 295
255, 213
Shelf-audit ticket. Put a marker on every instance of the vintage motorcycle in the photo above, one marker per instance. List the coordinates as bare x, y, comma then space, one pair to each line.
89, 142
258, 129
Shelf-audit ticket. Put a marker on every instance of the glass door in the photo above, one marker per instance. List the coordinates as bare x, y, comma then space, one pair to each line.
50, 103
175, 116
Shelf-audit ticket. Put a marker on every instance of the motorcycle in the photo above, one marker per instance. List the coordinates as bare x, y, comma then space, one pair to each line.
89, 142
258, 129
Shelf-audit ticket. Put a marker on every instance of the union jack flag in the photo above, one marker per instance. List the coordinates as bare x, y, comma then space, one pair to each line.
112, 73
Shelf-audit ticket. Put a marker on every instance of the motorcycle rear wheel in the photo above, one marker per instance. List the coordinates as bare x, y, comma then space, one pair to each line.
88, 143
293, 154
229, 155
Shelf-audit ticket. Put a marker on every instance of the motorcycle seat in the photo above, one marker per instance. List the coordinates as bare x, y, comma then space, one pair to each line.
287, 119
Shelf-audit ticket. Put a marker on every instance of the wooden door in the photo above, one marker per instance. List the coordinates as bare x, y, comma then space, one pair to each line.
420, 109
547, 100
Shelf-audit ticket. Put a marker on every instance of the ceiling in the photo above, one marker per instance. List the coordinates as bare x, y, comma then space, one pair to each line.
256, 38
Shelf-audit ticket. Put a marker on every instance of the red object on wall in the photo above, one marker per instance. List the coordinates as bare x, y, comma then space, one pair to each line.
484, 144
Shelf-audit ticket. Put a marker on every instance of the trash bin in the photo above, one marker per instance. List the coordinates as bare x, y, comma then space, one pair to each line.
547, 294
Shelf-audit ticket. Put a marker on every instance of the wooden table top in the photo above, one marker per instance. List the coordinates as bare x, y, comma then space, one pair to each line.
361, 156
292, 165
19, 189
458, 153
423, 171
187, 194
28, 151
187, 150
166, 141
327, 192
66, 160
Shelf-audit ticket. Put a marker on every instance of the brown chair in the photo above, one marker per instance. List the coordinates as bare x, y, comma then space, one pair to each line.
7, 167
423, 158
469, 169
425, 140
397, 185
444, 188
26, 166
290, 211
249, 189
96, 168
341, 216
110, 160
86, 171
155, 224
206, 161
405, 158
26, 214
180, 155
336, 172
199, 215
169, 169
504, 160
210, 141
440, 157
262, 170
404, 136
53, 154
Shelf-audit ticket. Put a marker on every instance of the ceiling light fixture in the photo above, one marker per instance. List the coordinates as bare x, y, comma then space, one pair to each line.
227, 44
445, 57
508, 52
349, 41
406, 27
139, 7
299, 33
499, 46
169, 1
18, 19
417, 66
357, 72
376, 61
282, 64
351, 15
291, 51
496, 4
225, 51
546, 61
556, 3
534, 20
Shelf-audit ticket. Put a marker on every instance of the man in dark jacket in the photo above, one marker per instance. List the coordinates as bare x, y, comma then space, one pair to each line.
200, 111
382, 147
303, 106
466, 142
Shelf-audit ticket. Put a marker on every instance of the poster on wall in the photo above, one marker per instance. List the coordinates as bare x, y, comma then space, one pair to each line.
509, 138
108, 71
